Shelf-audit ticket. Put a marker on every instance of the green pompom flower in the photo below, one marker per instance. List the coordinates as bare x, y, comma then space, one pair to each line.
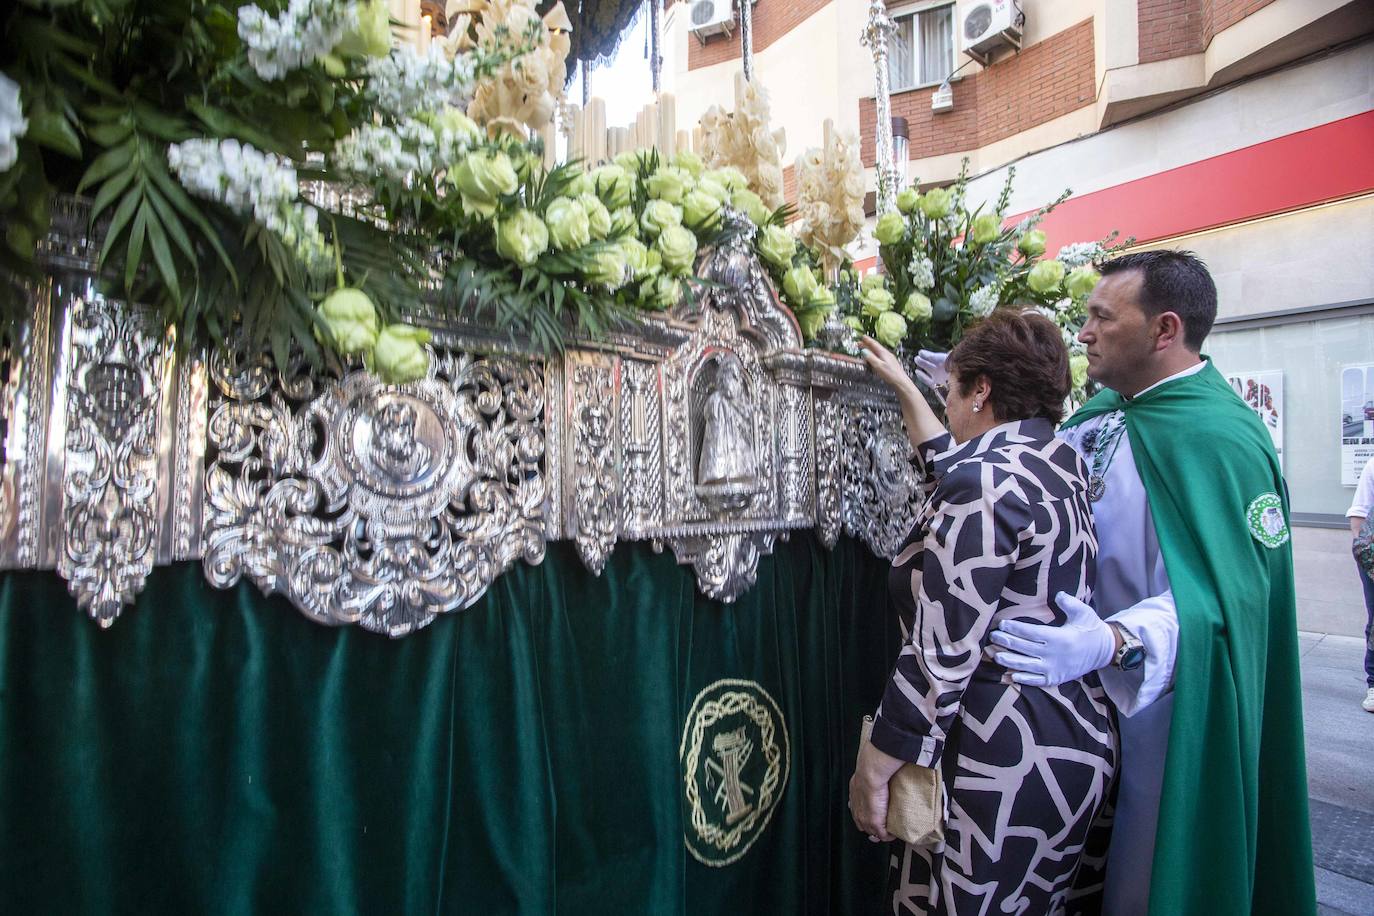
891, 228
936, 203
890, 329
400, 355
1046, 276
777, 246
907, 200
659, 215
985, 229
1032, 243
1081, 281
350, 321
482, 178
917, 307
700, 211
521, 237
568, 224
678, 246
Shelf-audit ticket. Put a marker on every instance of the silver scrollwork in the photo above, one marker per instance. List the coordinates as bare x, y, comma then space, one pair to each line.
374, 504
594, 485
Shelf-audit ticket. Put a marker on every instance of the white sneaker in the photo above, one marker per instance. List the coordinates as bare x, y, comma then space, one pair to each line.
1368, 704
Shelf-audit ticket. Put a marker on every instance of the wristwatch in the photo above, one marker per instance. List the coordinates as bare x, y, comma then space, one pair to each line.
1131, 655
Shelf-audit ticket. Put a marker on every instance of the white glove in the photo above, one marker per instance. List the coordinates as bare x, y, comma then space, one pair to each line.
931, 371
1046, 656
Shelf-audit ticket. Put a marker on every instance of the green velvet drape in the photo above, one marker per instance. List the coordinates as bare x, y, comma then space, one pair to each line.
216, 752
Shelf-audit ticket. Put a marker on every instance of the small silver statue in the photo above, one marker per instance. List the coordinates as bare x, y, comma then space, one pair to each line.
396, 449
728, 468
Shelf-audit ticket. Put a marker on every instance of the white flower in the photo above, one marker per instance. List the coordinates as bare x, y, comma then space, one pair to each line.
305, 31
922, 271
1079, 253
12, 122
406, 82
983, 301
249, 181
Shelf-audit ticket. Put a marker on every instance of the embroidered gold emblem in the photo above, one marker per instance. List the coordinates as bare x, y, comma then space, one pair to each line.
735, 758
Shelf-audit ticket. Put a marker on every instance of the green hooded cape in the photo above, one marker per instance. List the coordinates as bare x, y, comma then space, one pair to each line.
1233, 832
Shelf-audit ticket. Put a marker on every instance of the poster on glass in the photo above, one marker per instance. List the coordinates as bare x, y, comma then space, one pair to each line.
1263, 393
1357, 421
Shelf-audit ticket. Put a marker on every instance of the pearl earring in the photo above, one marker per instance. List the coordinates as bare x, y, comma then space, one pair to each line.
977, 406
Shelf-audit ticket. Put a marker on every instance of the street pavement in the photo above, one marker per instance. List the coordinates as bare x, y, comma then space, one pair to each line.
1340, 772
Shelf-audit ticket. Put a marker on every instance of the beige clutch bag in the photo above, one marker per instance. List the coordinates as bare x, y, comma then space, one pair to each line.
915, 801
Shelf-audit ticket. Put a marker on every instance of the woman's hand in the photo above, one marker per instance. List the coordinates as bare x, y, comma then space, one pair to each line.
884, 364
868, 791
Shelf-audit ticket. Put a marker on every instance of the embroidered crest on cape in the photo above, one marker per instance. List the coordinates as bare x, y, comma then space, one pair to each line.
1266, 521
735, 758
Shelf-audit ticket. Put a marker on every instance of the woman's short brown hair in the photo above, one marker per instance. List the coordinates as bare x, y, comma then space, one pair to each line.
1024, 358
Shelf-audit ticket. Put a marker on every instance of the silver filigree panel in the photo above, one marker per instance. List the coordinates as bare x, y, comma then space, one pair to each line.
374, 504
881, 489
593, 484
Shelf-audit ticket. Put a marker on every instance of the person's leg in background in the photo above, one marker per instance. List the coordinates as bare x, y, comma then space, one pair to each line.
1368, 584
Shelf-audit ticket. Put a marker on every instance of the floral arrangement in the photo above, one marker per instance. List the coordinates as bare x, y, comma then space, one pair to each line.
744, 140
830, 196
945, 267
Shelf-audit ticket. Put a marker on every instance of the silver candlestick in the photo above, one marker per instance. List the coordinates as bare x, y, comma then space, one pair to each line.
746, 37
877, 31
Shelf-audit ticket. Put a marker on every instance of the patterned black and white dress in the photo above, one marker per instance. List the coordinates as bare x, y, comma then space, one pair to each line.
1006, 526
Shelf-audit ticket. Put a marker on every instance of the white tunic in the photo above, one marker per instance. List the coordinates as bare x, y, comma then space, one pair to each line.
1133, 590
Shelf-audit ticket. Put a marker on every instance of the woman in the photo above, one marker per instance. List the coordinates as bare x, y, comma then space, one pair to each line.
1006, 526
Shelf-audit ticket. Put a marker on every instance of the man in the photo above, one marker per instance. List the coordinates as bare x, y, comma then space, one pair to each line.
1359, 510
1194, 636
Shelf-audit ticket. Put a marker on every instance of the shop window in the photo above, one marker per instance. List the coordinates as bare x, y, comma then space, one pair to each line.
922, 48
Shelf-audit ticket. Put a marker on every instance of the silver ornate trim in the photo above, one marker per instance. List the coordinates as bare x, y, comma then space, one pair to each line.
707, 428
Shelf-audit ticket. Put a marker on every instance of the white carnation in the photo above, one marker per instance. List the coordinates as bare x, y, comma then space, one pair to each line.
12, 122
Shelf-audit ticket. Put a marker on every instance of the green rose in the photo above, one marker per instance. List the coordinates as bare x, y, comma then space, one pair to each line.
1081, 281
653, 263
891, 228
623, 222
668, 184
631, 160
877, 302
521, 237
608, 267
689, 162
679, 249
659, 215
712, 186
917, 307
482, 178
660, 292
908, 199
731, 178
1046, 276
1078, 369
799, 284
700, 211
1031, 244
613, 185
400, 355
777, 246
581, 185
872, 281
855, 323
371, 36
936, 203
751, 205
822, 297
598, 217
349, 320
568, 224
890, 329
636, 257
986, 228
811, 320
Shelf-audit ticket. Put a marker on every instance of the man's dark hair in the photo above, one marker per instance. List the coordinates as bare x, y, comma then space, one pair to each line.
1173, 281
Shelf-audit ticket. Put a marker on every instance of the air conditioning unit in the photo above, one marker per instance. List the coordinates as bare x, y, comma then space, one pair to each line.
986, 25
711, 17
